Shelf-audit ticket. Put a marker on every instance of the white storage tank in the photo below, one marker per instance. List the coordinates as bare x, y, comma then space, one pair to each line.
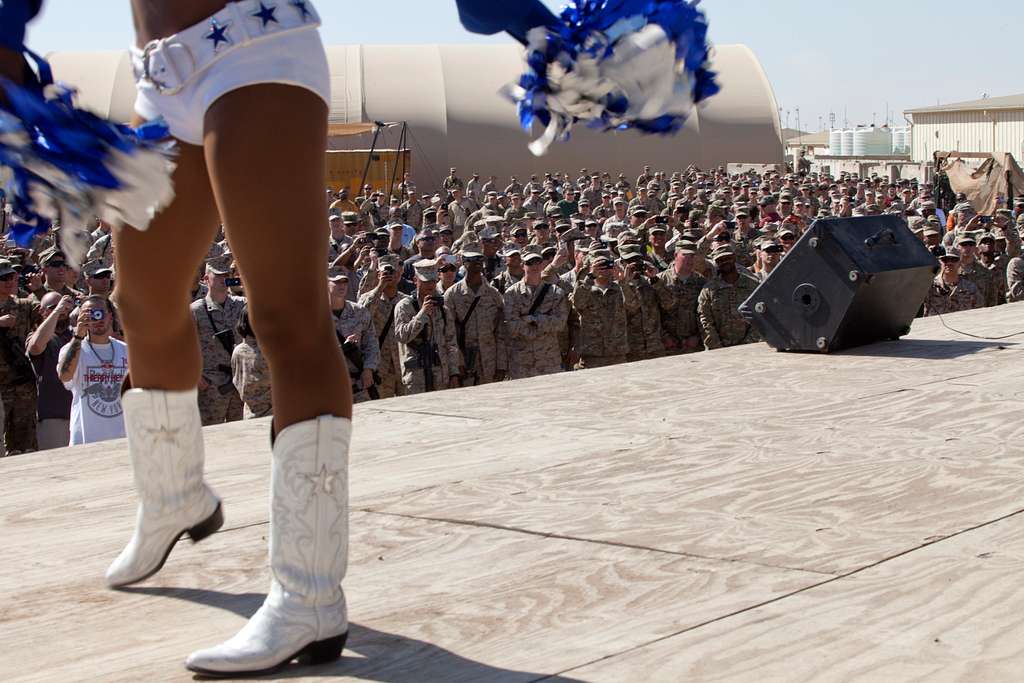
899, 140
846, 147
835, 143
872, 142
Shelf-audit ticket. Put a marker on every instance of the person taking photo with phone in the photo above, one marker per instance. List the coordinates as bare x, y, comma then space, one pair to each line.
92, 367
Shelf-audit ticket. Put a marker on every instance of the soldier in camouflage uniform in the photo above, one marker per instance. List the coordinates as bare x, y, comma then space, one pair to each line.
513, 256
216, 316
477, 310
950, 292
644, 324
250, 372
974, 271
681, 324
718, 303
995, 261
426, 336
18, 318
533, 322
381, 303
353, 325
601, 305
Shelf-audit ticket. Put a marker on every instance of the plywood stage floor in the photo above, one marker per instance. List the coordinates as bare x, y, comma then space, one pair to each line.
742, 515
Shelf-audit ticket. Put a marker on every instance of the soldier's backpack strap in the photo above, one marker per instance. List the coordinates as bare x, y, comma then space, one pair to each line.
387, 328
540, 298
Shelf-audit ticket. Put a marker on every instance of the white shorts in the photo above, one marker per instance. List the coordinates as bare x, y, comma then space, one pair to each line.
293, 57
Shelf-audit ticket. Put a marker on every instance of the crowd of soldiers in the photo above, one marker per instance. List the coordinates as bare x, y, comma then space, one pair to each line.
479, 282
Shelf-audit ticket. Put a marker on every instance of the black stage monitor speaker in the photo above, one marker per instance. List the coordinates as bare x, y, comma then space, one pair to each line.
846, 282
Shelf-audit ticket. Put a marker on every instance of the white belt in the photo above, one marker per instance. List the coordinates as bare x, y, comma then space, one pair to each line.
168, 64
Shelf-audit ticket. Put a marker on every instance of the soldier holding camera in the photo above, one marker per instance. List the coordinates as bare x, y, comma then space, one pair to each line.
216, 316
426, 336
18, 317
354, 326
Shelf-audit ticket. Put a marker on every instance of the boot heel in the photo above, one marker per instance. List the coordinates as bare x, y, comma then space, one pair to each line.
207, 526
326, 650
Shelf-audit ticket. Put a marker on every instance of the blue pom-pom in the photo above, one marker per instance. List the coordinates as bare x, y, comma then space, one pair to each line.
70, 165
615, 65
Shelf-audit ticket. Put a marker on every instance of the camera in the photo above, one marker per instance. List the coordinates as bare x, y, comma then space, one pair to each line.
232, 282
97, 314
661, 220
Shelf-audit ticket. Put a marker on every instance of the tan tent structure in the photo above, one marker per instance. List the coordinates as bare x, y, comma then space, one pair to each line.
447, 96
988, 187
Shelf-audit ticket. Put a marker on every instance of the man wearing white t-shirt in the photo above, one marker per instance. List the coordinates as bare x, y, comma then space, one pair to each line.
92, 367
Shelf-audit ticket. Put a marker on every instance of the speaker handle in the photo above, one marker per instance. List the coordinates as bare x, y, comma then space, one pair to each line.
883, 236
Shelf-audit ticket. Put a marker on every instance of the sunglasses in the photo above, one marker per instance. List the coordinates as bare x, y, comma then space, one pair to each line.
55, 264
100, 276
447, 269
787, 239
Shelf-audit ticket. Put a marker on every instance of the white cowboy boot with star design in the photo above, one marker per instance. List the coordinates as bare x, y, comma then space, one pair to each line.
165, 442
304, 617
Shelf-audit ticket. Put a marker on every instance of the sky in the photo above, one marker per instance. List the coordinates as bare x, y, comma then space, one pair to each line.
854, 60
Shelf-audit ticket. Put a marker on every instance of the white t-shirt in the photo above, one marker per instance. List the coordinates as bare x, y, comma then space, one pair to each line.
96, 413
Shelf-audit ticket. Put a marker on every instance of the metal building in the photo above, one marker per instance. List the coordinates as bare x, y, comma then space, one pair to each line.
992, 125
448, 96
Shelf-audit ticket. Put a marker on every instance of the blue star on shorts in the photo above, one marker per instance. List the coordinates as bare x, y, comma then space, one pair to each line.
266, 14
218, 34
300, 5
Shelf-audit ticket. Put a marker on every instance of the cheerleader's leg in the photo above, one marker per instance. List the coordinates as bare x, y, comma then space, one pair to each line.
271, 199
156, 270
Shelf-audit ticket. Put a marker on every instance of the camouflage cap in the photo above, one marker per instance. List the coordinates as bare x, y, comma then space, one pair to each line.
947, 253
472, 250
629, 252
219, 266
722, 252
685, 247
637, 211
488, 233
771, 246
532, 254
51, 254
389, 262
658, 228
94, 268
930, 230
426, 270
337, 274
986, 237
966, 238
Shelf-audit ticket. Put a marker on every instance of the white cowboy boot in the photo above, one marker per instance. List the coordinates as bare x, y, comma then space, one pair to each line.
165, 441
304, 617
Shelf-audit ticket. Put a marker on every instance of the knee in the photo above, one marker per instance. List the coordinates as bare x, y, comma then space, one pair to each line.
154, 314
285, 329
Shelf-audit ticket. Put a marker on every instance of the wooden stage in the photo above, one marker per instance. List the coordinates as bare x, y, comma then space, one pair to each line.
741, 515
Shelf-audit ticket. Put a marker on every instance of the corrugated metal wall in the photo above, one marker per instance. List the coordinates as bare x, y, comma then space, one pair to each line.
968, 131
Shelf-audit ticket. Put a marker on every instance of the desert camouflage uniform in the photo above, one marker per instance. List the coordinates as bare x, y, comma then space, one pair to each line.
533, 343
18, 391
1015, 279
682, 320
356, 319
413, 328
997, 269
718, 305
251, 376
220, 401
390, 369
943, 298
602, 338
983, 279
484, 334
413, 213
644, 324
102, 250
505, 281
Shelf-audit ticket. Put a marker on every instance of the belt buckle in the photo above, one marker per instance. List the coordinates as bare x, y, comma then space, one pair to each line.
147, 54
